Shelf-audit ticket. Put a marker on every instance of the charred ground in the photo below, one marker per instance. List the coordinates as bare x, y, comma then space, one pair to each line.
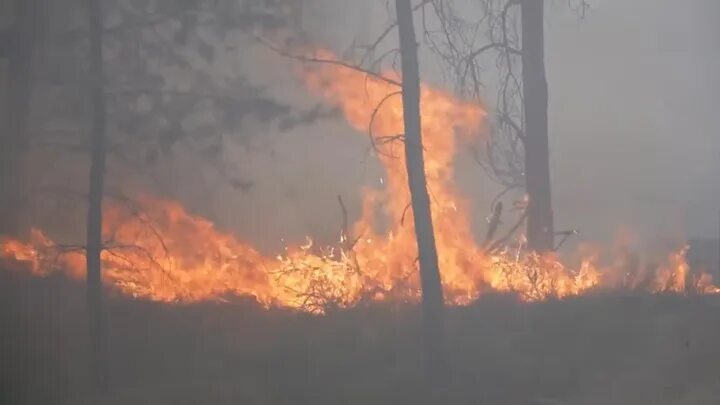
596, 349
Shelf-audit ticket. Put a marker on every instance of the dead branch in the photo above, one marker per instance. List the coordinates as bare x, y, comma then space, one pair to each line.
565, 236
478, 52
312, 59
343, 210
374, 115
500, 242
405, 211
370, 48
494, 223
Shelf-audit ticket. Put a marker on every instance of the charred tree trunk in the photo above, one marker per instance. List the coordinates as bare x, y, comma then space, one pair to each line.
18, 49
432, 294
540, 231
96, 311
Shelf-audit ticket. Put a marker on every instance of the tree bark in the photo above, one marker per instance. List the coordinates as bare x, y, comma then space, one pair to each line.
18, 44
96, 311
432, 294
540, 231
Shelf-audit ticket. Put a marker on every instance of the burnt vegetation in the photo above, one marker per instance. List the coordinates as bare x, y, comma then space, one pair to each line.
648, 348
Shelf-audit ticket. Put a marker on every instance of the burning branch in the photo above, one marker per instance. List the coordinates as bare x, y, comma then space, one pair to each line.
502, 241
493, 223
374, 116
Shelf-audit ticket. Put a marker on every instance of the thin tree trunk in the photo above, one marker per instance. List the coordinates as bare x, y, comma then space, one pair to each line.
96, 311
19, 43
540, 231
432, 294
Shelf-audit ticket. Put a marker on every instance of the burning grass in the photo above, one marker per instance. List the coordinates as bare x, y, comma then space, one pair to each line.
157, 250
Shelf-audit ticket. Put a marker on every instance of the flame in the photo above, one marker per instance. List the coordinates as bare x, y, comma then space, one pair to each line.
156, 250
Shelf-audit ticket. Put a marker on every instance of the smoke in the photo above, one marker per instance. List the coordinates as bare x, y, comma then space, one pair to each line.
633, 144
632, 126
633, 130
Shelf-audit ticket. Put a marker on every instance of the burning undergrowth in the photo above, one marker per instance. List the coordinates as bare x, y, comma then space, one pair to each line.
157, 250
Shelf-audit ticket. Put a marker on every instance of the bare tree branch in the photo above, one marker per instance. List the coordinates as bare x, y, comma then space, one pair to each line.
490, 46
312, 59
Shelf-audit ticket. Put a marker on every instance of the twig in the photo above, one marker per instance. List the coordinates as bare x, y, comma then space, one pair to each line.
494, 223
310, 59
388, 30
566, 235
402, 217
490, 46
507, 236
374, 115
343, 210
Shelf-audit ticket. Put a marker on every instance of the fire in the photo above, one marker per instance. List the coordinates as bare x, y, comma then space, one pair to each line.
156, 250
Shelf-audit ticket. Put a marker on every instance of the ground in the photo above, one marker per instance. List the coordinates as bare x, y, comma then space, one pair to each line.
600, 349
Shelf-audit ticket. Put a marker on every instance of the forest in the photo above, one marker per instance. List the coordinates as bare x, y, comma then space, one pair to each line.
334, 201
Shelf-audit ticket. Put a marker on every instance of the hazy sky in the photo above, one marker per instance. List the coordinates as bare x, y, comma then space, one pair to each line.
635, 137
633, 123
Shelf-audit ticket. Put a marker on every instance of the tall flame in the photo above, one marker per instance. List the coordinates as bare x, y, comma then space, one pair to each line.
157, 250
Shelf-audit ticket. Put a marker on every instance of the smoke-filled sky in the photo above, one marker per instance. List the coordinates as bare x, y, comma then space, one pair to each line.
633, 116
633, 121
635, 142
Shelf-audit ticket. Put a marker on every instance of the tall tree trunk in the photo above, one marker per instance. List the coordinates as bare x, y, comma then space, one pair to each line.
96, 311
540, 231
432, 294
19, 43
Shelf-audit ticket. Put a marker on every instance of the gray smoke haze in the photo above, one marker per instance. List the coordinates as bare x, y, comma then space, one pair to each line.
633, 117
633, 127
633, 95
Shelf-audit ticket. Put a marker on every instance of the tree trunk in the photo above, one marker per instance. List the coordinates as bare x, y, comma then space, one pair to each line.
18, 43
96, 312
432, 294
540, 231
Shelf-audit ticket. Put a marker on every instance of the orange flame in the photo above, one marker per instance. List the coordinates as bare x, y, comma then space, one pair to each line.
158, 251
